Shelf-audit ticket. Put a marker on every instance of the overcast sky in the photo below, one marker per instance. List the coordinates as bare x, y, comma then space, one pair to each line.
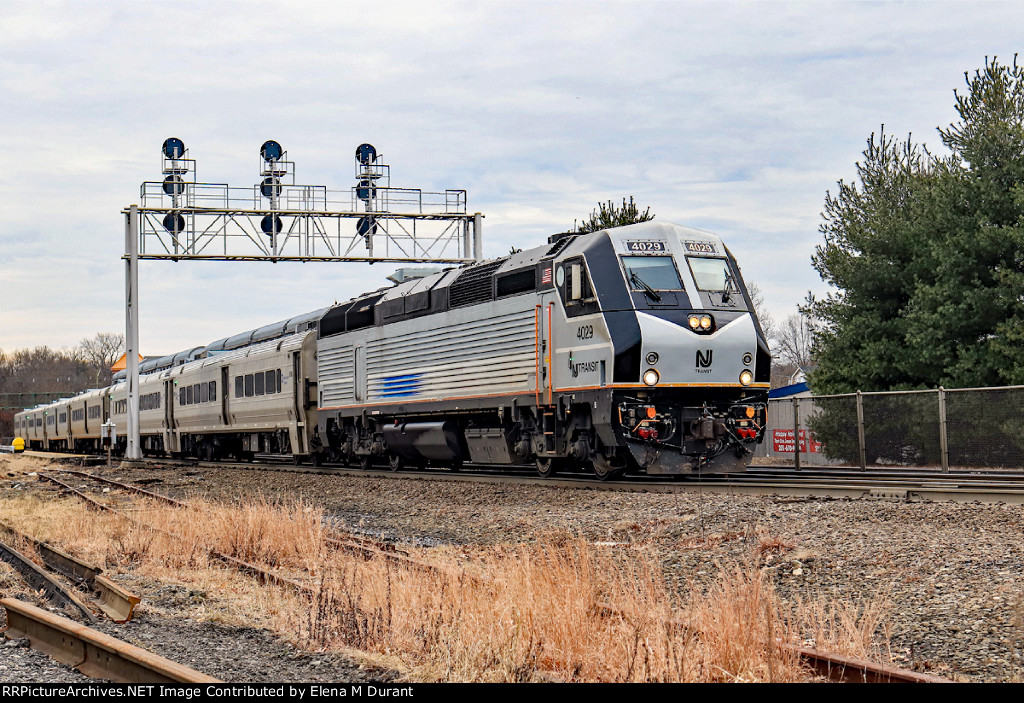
729, 117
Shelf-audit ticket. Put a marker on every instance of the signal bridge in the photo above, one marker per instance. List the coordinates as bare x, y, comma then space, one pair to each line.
278, 219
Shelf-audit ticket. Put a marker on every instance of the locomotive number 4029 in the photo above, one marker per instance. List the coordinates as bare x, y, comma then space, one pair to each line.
645, 246
585, 332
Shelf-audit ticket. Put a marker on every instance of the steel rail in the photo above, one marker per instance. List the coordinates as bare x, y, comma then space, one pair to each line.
127, 487
92, 652
863, 487
263, 575
117, 603
38, 579
840, 668
993, 487
350, 543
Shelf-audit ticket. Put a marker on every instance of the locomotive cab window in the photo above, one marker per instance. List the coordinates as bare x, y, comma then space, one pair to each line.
654, 272
573, 282
712, 275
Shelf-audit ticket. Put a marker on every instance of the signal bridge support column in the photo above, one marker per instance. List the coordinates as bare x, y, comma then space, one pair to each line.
131, 262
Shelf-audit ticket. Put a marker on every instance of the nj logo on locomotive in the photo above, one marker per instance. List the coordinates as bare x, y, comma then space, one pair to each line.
582, 367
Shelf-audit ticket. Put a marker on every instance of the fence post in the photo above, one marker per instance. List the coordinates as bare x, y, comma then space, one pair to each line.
796, 433
943, 440
860, 432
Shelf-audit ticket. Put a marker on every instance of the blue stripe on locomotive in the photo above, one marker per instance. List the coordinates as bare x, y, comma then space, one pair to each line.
401, 386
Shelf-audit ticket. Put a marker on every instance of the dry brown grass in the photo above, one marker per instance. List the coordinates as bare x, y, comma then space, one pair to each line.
18, 465
559, 608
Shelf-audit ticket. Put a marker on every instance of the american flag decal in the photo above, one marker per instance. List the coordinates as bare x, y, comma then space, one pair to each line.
546, 277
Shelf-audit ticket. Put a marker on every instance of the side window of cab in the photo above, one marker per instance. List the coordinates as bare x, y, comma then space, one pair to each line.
574, 287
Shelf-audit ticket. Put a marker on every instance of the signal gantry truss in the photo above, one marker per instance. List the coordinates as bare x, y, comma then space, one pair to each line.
280, 220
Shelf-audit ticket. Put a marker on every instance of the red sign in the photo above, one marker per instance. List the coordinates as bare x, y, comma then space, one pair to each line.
782, 441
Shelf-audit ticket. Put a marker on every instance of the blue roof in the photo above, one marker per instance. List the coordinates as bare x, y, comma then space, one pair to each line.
787, 391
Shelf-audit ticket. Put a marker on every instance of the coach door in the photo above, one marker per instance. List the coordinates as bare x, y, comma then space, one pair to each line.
225, 393
169, 415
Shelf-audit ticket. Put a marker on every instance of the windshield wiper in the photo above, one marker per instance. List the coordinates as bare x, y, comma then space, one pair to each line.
730, 287
650, 292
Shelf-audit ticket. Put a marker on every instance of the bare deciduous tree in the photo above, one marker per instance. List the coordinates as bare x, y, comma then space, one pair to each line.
793, 343
764, 317
101, 352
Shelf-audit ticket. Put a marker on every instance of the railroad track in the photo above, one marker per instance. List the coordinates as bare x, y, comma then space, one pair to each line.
112, 600
92, 652
811, 482
1002, 487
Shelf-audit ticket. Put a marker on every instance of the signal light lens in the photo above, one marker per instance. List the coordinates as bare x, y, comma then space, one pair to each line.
750, 411
651, 377
705, 322
651, 413
694, 322
746, 377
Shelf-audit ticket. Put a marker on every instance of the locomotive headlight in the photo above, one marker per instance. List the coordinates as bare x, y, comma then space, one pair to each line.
651, 377
694, 322
746, 378
705, 322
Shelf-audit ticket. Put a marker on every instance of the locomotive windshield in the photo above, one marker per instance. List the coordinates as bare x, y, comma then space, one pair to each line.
712, 275
652, 272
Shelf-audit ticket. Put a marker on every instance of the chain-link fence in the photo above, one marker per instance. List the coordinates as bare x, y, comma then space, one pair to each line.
961, 428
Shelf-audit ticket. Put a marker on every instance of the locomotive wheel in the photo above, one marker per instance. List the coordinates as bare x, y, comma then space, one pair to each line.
396, 463
366, 462
605, 470
297, 458
316, 458
547, 466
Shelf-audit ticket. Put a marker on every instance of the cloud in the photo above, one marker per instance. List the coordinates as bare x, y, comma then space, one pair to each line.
730, 117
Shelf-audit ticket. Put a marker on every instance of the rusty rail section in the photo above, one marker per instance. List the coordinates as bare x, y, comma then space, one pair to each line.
127, 487
116, 603
42, 581
351, 543
91, 652
844, 669
261, 574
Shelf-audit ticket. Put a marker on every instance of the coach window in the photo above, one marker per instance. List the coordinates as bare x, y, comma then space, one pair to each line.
213, 390
188, 395
204, 392
248, 385
271, 382
239, 392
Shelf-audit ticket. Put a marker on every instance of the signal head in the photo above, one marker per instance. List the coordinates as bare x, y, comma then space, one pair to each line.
173, 148
365, 154
271, 151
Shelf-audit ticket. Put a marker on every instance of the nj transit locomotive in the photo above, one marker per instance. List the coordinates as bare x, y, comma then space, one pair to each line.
629, 349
